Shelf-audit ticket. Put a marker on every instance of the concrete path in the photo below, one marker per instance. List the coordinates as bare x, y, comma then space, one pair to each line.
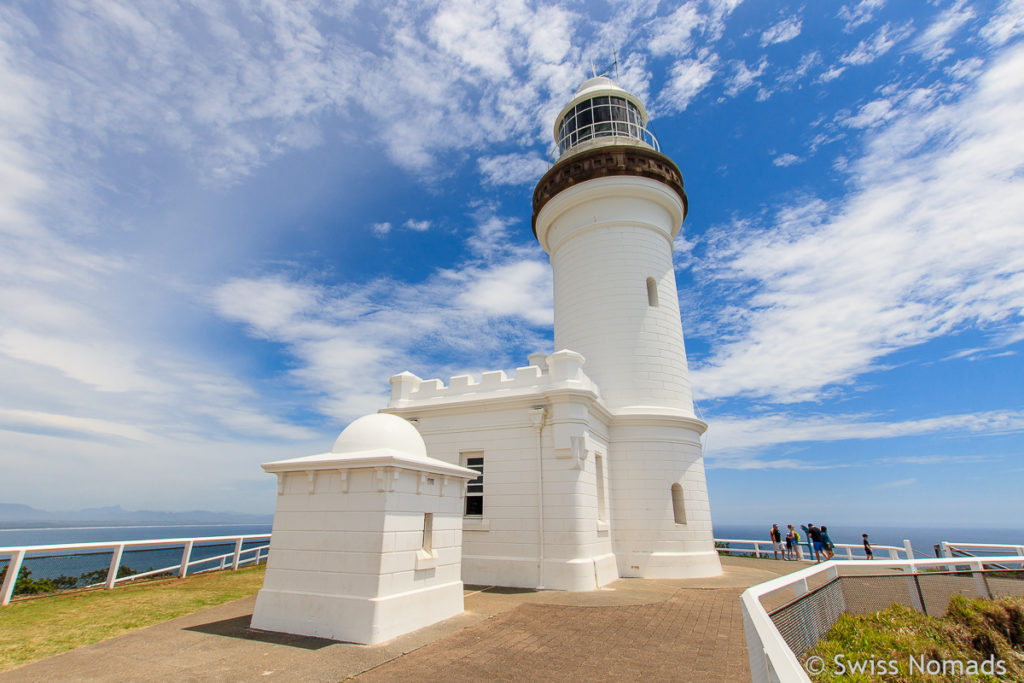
680, 630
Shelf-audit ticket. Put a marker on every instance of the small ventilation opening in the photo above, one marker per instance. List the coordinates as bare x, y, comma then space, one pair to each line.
678, 509
428, 533
652, 292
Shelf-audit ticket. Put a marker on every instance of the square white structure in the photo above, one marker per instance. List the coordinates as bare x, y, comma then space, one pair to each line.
367, 539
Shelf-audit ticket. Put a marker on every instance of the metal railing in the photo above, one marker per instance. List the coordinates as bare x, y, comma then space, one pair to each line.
603, 133
807, 603
843, 551
949, 549
194, 553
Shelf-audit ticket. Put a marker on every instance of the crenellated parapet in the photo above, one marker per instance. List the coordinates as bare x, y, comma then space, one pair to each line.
561, 370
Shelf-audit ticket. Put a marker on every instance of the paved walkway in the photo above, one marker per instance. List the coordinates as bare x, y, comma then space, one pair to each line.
679, 630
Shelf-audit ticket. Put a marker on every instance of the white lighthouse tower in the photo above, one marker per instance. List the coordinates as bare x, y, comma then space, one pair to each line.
607, 213
588, 458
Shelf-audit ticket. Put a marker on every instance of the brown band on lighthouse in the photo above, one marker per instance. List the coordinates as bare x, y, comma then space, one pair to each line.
603, 162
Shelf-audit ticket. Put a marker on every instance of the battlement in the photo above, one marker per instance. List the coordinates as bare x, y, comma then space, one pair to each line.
561, 369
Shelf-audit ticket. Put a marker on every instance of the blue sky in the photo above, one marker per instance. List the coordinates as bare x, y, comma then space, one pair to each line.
223, 226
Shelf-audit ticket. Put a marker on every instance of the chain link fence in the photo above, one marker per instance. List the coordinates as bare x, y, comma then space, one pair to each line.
805, 620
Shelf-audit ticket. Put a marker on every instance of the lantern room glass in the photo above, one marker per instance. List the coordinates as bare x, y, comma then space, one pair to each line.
597, 117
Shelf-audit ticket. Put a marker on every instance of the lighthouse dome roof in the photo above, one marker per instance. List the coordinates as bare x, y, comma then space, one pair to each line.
381, 431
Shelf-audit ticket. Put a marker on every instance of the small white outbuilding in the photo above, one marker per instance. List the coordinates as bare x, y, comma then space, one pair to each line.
367, 539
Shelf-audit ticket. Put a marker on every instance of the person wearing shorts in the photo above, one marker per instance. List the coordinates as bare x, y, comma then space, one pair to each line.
819, 545
796, 541
776, 537
789, 544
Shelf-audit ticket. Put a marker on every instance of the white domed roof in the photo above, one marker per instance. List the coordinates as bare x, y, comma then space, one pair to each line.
381, 431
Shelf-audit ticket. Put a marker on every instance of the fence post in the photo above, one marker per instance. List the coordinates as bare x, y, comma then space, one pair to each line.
849, 552
13, 569
914, 588
980, 584
186, 555
909, 548
238, 552
115, 564
946, 552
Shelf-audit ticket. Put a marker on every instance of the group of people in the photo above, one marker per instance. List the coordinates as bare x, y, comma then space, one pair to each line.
819, 542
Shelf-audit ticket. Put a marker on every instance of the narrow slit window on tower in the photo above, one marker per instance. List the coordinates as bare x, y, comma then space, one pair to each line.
475, 487
652, 292
678, 509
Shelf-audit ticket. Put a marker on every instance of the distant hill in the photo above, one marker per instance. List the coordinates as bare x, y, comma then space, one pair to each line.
14, 515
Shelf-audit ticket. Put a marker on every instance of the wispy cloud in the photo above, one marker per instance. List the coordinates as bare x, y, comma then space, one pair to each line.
860, 13
512, 169
835, 288
421, 225
933, 42
786, 159
783, 31
899, 483
883, 40
687, 79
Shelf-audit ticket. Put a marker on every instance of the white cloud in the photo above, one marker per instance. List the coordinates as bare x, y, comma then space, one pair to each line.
870, 49
417, 225
674, 34
744, 77
783, 31
512, 169
381, 229
836, 287
743, 438
686, 80
32, 420
899, 483
786, 159
861, 13
870, 115
831, 74
932, 43
1006, 23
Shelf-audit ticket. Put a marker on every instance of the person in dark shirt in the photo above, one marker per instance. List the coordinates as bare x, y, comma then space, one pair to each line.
776, 537
867, 547
815, 535
826, 542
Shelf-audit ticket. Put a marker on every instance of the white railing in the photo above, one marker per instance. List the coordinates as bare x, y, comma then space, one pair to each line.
949, 549
771, 659
843, 551
238, 557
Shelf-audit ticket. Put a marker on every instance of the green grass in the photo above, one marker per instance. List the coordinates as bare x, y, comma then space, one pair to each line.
971, 630
43, 627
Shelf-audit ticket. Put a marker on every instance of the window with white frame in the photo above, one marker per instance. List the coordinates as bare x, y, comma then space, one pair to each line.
474, 460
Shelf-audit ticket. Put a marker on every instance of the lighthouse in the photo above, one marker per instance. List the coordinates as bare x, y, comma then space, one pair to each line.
588, 459
607, 214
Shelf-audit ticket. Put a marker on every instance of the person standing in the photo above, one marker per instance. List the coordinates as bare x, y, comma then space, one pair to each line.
826, 541
776, 537
790, 542
867, 547
815, 535
796, 542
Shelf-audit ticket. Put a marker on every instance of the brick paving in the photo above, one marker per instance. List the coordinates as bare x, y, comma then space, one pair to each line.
651, 629
695, 635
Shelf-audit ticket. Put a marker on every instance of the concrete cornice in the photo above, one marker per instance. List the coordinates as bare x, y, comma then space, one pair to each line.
382, 457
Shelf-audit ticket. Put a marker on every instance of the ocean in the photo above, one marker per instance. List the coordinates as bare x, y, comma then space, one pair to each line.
923, 540
74, 565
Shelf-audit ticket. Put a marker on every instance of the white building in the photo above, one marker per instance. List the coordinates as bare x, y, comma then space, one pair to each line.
590, 457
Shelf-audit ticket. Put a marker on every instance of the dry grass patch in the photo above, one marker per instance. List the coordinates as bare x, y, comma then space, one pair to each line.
43, 627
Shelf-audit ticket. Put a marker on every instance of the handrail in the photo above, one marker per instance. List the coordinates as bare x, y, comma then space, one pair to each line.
18, 554
771, 659
853, 551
